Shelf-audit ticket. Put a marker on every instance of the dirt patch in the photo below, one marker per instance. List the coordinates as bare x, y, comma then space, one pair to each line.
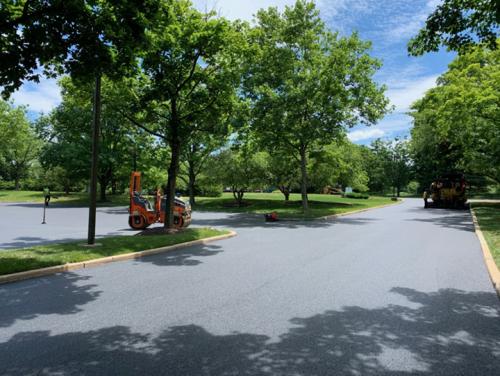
158, 231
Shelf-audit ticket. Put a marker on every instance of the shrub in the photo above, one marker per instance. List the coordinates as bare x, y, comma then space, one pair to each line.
212, 190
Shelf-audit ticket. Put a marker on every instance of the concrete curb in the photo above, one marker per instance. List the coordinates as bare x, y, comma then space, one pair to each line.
400, 201
105, 260
488, 257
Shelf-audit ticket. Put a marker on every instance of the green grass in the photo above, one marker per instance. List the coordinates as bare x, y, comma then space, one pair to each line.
73, 199
319, 205
19, 260
488, 216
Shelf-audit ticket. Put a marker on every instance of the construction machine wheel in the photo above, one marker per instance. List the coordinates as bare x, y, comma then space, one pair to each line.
137, 222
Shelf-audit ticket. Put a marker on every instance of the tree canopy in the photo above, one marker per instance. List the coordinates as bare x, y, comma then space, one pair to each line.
459, 25
456, 123
188, 82
306, 84
19, 146
81, 38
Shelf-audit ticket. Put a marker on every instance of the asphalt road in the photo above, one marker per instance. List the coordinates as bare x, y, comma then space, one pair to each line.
21, 224
393, 291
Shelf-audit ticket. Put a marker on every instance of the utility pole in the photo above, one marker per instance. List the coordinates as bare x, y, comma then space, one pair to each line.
96, 120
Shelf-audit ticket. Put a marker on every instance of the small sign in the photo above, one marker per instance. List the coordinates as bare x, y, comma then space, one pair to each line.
348, 189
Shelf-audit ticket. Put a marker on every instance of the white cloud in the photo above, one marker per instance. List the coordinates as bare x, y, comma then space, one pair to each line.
365, 134
41, 97
406, 91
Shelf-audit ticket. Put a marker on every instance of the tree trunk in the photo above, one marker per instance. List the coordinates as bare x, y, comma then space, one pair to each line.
286, 191
175, 148
303, 181
238, 196
398, 190
191, 183
241, 192
171, 182
114, 184
94, 161
17, 183
103, 185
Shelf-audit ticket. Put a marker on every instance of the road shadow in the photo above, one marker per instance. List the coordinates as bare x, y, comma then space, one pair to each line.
455, 219
245, 220
449, 332
191, 256
61, 294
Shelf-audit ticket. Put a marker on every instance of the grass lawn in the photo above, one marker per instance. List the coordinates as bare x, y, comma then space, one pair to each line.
488, 216
73, 199
319, 205
19, 260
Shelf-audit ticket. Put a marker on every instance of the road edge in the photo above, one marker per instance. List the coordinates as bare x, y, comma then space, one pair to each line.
20, 276
331, 216
488, 257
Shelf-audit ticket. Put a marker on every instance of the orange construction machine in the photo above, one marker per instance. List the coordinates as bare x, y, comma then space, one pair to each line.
142, 214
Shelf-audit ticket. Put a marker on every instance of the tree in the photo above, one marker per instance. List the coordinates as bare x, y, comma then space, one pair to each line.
195, 157
459, 25
86, 39
190, 75
394, 159
68, 142
19, 146
307, 84
241, 169
400, 166
375, 167
339, 163
283, 172
456, 123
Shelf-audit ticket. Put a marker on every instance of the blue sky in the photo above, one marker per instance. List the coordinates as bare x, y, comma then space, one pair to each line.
388, 24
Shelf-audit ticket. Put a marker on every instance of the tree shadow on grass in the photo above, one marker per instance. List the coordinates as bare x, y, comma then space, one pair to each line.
449, 332
61, 294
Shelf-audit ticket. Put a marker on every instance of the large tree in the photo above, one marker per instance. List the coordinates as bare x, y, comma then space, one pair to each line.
241, 169
195, 155
86, 39
68, 141
190, 74
19, 146
307, 84
459, 25
339, 163
456, 124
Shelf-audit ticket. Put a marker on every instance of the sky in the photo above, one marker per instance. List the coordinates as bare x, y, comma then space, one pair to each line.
388, 24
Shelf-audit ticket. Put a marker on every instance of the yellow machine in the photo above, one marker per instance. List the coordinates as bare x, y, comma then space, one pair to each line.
449, 191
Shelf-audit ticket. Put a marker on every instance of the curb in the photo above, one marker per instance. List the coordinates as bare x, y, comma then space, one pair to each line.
400, 201
488, 257
14, 277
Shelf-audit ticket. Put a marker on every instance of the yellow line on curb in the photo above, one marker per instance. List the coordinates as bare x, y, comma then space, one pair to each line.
14, 277
400, 201
488, 257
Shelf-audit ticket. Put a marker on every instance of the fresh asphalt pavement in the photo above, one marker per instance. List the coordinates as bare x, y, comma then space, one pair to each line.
21, 223
393, 291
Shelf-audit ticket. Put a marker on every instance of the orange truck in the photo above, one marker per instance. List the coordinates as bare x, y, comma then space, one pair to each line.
143, 214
